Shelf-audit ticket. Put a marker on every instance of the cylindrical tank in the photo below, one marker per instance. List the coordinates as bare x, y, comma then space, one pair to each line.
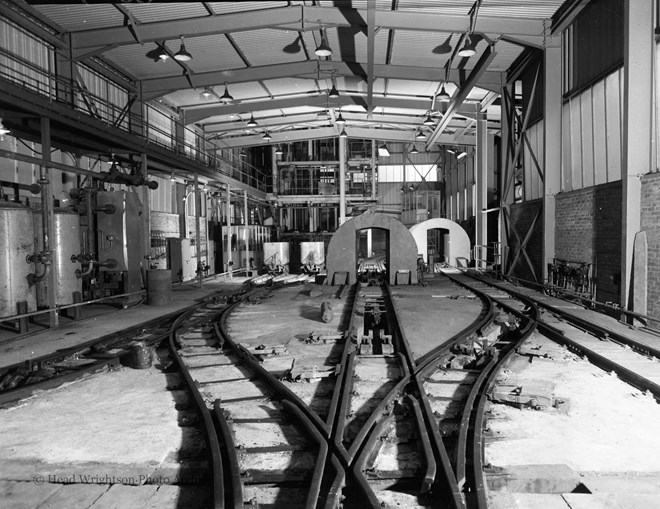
159, 287
65, 241
312, 255
16, 243
276, 255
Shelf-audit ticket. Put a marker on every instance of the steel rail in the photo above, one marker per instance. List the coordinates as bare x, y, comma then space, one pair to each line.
431, 467
473, 415
597, 330
234, 472
207, 422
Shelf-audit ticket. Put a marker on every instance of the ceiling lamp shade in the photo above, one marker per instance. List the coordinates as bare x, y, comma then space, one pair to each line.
278, 151
428, 120
420, 136
323, 50
206, 93
242, 153
267, 137
468, 49
3, 129
226, 98
182, 55
162, 54
340, 120
414, 150
343, 134
333, 94
382, 151
252, 122
443, 95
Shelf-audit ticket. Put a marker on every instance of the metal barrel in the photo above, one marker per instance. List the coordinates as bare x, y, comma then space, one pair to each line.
159, 287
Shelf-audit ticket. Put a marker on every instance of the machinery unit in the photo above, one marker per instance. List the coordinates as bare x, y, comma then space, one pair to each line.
17, 243
276, 256
65, 243
312, 256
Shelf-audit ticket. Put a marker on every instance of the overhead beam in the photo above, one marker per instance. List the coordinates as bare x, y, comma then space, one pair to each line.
393, 135
195, 115
483, 63
289, 18
490, 80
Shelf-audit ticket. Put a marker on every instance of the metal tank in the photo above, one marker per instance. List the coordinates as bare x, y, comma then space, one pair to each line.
16, 243
65, 242
276, 256
312, 255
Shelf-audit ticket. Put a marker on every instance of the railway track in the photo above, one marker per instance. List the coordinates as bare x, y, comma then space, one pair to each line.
632, 359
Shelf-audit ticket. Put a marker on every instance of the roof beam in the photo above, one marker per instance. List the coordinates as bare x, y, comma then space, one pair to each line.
289, 18
490, 80
483, 63
194, 115
330, 132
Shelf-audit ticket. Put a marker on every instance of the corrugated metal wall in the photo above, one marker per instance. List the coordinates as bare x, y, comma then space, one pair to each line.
591, 134
108, 99
532, 182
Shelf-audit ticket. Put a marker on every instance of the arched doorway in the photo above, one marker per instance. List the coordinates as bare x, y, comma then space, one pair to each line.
372, 246
399, 245
445, 235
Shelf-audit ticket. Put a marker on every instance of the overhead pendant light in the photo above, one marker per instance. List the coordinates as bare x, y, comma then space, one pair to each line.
461, 155
182, 55
3, 129
278, 151
343, 134
420, 136
443, 95
451, 150
252, 122
322, 50
414, 150
267, 137
428, 120
172, 179
243, 153
340, 120
469, 48
162, 54
226, 98
382, 151
206, 93
333, 94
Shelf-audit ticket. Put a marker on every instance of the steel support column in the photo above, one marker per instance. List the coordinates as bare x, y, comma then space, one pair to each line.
506, 197
481, 183
246, 222
342, 180
637, 147
198, 240
48, 221
552, 105
228, 216
274, 171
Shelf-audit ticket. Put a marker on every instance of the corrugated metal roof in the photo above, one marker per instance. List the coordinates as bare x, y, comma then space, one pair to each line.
165, 11
266, 47
76, 17
422, 48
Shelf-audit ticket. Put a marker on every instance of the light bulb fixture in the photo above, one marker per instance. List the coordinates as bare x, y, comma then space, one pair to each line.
461, 155
226, 98
162, 53
278, 151
420, 136
206, 93
469, 48
242, 153
451, 150
343, 134
334, 93
322, 50
414, 150
428, 120
172, 179
182, 55
340, 120
443, 95
267, 137
382, 151
3, 129
252, 122
205, 188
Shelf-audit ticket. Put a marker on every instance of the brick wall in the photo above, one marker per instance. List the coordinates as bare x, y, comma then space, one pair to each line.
588, 229
521, 218
650, 223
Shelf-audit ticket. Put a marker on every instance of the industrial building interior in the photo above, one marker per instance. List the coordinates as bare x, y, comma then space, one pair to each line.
174, 143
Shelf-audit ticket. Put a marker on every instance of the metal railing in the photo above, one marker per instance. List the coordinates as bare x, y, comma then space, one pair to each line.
76, 96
